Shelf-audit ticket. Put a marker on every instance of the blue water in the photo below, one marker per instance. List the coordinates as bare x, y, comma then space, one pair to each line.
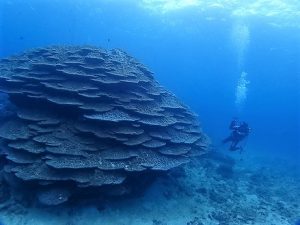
193, 57
192, 52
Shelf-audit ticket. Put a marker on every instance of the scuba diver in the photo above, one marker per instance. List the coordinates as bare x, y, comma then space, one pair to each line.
240, 130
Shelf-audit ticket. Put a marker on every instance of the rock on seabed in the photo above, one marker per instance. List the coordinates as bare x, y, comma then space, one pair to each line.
88, 118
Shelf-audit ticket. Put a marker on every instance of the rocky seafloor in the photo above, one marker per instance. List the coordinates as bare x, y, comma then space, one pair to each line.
219, 190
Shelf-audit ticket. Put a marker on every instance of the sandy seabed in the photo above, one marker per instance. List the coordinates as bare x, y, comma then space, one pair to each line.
215, 190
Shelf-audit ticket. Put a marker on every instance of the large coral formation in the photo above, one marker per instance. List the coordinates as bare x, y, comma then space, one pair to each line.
88, 117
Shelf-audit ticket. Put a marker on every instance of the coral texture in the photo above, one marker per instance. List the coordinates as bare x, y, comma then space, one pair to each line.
90, 118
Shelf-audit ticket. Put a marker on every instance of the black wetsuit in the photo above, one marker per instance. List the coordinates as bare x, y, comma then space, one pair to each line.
239, 132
